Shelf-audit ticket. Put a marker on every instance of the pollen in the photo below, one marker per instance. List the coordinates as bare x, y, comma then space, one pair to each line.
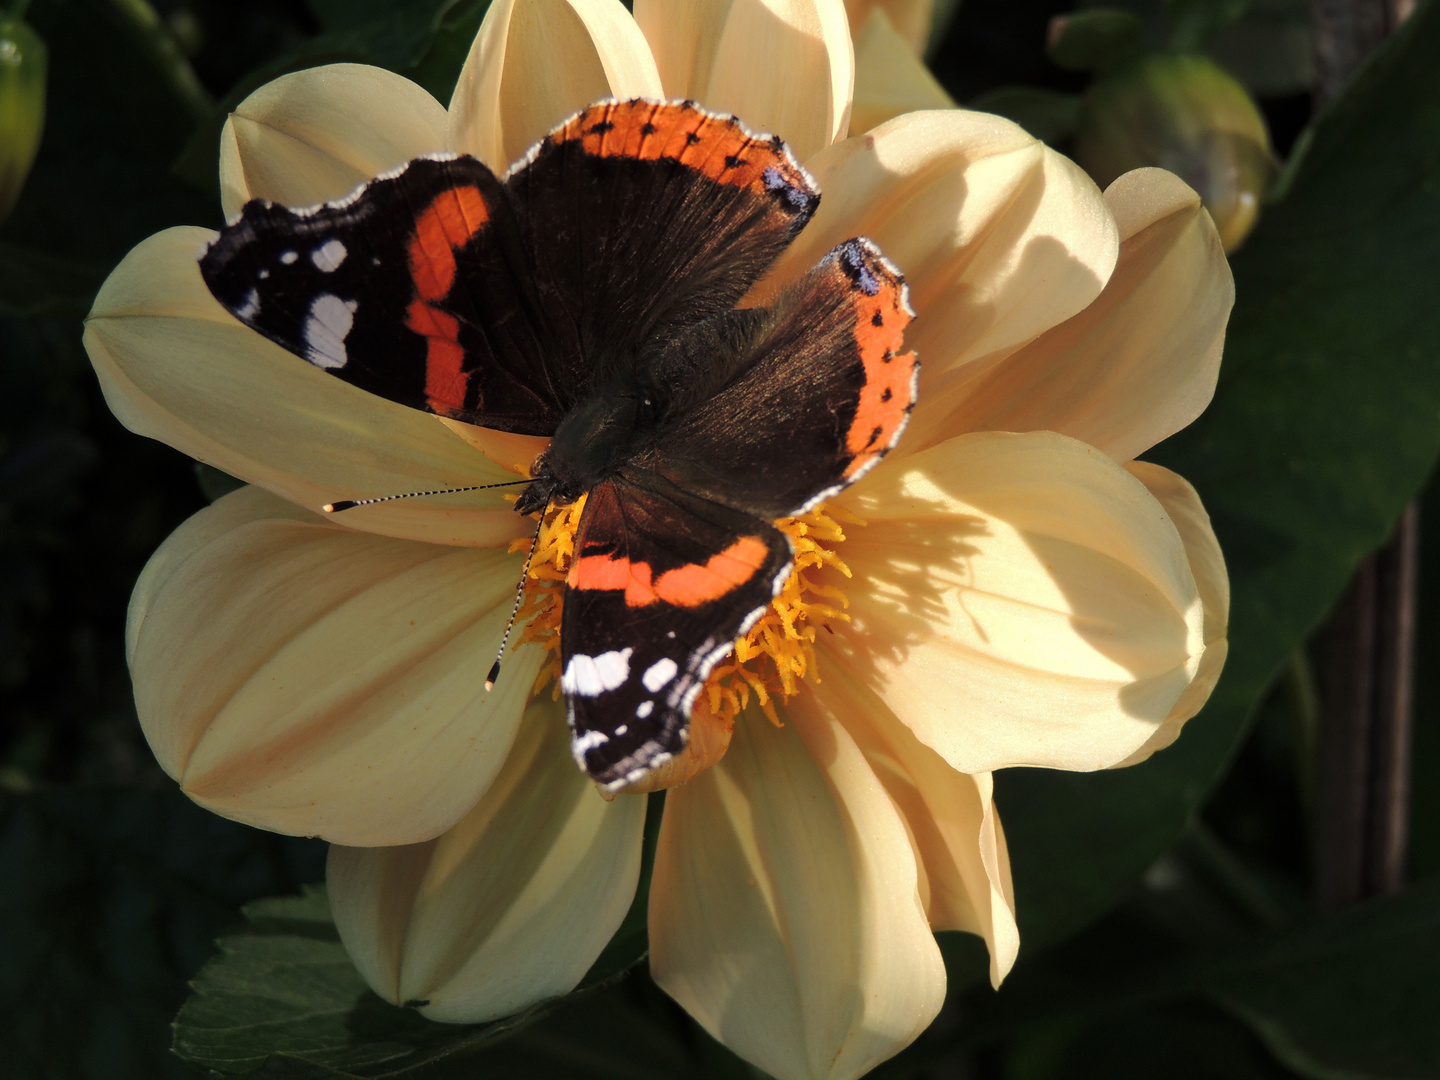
774, 656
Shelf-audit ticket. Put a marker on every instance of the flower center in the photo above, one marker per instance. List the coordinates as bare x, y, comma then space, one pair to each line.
769, 662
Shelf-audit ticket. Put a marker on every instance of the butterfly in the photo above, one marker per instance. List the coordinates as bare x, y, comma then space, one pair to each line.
592, 295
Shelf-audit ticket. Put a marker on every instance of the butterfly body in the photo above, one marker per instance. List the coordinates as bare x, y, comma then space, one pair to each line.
591, 296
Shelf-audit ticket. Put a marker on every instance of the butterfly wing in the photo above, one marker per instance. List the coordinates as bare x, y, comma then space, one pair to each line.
641, 219
410, 288
824, 390
662, 584
443, 289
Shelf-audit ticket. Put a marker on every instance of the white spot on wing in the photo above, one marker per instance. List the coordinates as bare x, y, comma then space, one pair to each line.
248, 310
644, 709
659, 673
591, 676
288, 257
326, 328
622, 729
580, 745
328, 256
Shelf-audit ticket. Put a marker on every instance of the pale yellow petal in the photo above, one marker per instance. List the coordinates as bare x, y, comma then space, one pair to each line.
999, 237
1207, 563
175, 366
318, 134
784, 913
890, 78
911, 19
1020, 600
1140, 363
782, 66
534, 63
310, 679
512, 904
950, 816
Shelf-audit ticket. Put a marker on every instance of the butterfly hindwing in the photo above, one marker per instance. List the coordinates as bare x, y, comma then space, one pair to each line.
661, 586
823, 392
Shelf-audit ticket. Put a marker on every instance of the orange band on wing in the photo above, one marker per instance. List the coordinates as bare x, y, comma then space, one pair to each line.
447, 224
684, 586
888, 393
717, 147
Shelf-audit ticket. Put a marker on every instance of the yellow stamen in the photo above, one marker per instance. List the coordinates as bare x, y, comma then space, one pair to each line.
774, 656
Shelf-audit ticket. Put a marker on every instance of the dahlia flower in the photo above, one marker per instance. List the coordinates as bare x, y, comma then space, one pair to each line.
1009, 587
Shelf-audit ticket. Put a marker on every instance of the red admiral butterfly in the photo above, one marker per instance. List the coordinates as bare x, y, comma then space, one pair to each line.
590, 295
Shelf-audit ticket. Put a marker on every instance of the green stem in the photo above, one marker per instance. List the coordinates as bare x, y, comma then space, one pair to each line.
164, 53
17, 10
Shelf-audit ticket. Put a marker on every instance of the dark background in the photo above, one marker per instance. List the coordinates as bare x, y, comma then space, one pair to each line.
1167, 914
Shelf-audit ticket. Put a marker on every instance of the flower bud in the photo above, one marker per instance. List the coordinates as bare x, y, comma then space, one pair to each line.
1185, 114
22, 107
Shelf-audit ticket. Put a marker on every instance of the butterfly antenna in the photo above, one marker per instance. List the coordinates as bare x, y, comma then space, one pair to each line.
519, 596
350, 504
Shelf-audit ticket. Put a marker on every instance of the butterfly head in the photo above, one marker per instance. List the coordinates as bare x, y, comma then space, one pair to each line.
596, 435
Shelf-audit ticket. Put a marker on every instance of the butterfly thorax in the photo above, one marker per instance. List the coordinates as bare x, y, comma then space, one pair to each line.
594, 437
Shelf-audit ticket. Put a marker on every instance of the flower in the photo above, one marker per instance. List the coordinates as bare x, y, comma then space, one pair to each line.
1022, 590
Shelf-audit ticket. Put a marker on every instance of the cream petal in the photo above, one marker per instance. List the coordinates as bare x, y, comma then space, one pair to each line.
890, 78
315, 680
534, 63
318, 134
784, 914
910, 19
999, 237
1207, 563
950, 816
508, 907
1020, 600
175, 366
782, 66
1140, 363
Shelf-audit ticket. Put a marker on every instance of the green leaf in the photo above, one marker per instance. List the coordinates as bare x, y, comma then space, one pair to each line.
1353, 996
283, 994
1326, 422
284, 987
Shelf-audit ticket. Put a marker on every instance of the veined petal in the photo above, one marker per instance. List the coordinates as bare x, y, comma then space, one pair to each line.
890, 78
176, 366
1140, 363
508, 907
310, 679
320, 133
1207, 563
999, 237
782, 66
534, 63
950, 816
911, 19
1020, 600
784, 913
